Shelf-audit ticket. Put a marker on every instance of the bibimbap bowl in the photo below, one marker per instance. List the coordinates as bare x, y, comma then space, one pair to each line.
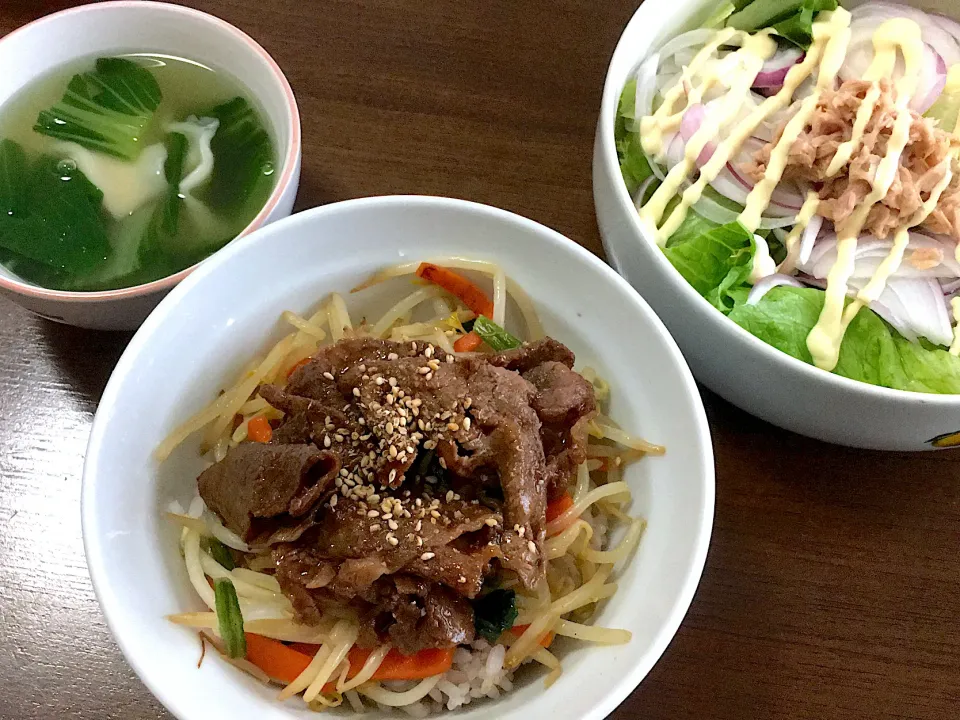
203, 334
736, 364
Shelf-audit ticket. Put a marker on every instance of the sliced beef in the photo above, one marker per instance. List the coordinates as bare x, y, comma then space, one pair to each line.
529, 355
415, 615
257, 489
565, 403
393, 422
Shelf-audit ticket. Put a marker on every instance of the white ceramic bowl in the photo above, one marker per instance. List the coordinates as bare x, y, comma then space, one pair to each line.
111, 28
729, 360
209, 326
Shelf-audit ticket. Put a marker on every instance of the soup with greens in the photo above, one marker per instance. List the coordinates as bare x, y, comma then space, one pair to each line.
119, 171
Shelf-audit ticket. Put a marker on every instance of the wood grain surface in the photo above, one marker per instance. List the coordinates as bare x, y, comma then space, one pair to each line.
831, 589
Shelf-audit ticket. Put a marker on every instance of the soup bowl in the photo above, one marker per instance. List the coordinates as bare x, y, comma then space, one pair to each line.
112, 28
730, 361
207, 328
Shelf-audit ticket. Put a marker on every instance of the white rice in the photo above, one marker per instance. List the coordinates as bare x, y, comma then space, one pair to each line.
477, 672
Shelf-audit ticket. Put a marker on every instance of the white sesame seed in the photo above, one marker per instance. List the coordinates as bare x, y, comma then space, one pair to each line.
449, 359
392, 540
389, 399
532, 546
419, 541
428, 556
467, 403
389, 428
462, 579
328, 375
356, 392
466, 423
393, 525
375, 527
393, 475
379, 381
413, 346
423, 370
429, 351
333, 501
393, 356
449, 495
452, 427
522, 531
418, 525
393, 382
434, 514
491, 522
393, 451
326, 441
338, 437
428, 376
373, 513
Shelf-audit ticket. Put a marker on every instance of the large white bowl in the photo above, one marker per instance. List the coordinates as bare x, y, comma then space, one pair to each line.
112, 28
210, 325
725, 357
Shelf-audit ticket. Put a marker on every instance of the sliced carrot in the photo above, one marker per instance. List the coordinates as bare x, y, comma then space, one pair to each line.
545, 641
468, 343
279, 661
459, 286
259, 430
558, 507
297, 366
286, 662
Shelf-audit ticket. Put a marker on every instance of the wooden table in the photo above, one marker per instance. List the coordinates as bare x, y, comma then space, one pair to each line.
831, 589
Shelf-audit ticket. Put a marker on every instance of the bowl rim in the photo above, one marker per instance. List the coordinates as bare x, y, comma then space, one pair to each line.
647, 12
699, 433
21, 287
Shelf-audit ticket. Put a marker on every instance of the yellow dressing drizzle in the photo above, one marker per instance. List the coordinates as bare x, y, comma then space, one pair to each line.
838, 38
652, 127
792, 243
739, 69
825, 338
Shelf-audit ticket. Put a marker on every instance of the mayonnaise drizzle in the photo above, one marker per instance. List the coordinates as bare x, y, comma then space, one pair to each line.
837, 33
738, 70
831, 38
653, 127
825, 338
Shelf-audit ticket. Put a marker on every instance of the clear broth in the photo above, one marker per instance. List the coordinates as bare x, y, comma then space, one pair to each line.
188, 88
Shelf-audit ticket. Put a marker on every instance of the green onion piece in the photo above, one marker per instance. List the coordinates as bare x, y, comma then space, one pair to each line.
494, 335
229, 618
221, 553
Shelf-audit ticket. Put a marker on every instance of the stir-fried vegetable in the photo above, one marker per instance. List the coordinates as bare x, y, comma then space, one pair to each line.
494, 335
468, 343
494, 613
259, 430
458, 286
221, 553
229, 618
106, 109
558, 507
546, 641
286, 662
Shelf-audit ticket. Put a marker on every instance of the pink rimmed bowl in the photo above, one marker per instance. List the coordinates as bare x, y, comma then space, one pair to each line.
110, 28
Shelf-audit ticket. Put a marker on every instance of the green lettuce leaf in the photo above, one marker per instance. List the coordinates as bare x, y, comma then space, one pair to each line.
871, 352
633, 163
706, 260
790, 19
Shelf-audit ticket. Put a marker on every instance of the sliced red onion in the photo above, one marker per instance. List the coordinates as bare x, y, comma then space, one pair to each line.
914, 306
774, 70
641, 191
941, 48
949, 287
872, 251
767, 284
807, 238
931, 28
933, 78
694, 38
693, 118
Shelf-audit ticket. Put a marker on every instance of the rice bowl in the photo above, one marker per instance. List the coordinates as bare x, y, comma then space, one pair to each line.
122, 517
